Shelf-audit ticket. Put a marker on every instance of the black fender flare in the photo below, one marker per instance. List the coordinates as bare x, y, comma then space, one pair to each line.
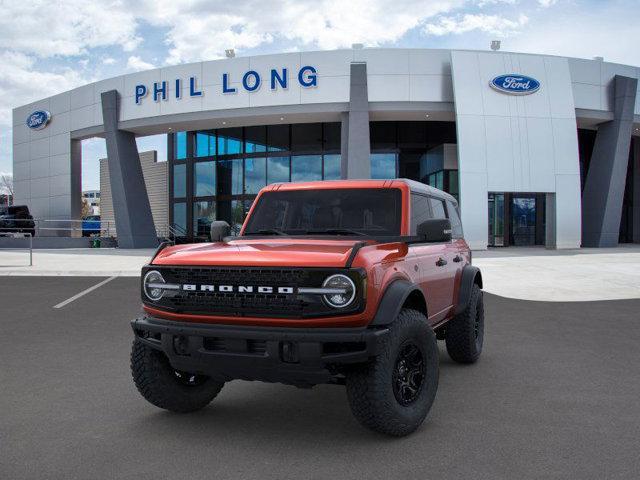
470, 275
392, 300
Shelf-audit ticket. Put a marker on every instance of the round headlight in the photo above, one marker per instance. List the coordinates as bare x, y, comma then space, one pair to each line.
344, 290
150, 285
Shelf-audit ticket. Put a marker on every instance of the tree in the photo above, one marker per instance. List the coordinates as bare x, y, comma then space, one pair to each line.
6, 184
86, 208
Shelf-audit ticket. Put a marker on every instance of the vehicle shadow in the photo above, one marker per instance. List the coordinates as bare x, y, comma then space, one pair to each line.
253, 413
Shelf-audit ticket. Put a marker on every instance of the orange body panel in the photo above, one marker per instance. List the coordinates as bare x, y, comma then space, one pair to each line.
383, 263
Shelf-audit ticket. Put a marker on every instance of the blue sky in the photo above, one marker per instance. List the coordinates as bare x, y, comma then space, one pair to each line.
49, 48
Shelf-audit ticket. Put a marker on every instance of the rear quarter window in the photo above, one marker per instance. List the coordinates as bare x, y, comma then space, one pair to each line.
437, 207
454, 217
420, 211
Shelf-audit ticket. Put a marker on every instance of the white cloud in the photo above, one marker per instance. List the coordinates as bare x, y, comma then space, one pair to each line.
547, 3
326, 24
491, 24
135, 63
20, 83
108, 61
46, 28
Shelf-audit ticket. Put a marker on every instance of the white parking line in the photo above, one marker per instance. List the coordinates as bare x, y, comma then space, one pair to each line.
84, 292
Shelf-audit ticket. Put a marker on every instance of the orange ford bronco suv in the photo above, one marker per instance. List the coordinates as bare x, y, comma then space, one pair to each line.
345, 282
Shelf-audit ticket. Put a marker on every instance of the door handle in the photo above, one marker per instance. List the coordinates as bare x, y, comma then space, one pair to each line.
441, 262
457, 258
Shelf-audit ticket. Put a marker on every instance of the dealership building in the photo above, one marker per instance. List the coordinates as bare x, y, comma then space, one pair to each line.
539, 150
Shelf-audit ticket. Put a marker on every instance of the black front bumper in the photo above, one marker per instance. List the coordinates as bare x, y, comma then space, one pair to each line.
298, 356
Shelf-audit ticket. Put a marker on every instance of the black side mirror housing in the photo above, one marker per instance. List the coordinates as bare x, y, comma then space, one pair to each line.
435, 230
219, 230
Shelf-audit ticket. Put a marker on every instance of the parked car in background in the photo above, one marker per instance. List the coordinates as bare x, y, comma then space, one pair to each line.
17, 219
91, 225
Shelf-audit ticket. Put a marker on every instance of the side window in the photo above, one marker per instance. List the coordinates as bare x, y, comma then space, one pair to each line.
420, 211
456, 224
437, 206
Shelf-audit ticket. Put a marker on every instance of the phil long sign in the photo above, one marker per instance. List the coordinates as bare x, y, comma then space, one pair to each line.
515, 84
250, 81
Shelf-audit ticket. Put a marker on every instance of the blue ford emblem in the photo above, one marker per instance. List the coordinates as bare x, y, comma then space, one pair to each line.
38, 119
515, 84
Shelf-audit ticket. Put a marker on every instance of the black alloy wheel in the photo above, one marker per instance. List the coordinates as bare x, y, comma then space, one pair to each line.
408, 373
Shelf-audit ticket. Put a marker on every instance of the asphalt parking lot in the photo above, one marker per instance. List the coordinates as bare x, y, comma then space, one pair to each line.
555, 395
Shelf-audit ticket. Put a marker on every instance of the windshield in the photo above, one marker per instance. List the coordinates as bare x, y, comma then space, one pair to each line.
355, 211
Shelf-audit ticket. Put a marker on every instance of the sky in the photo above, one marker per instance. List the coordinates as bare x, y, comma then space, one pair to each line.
48, 47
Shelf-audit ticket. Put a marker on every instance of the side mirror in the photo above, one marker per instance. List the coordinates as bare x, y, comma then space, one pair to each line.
219, 230
436, 230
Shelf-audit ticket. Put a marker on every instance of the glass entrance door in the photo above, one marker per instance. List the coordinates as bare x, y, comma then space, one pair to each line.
523, 220
496, 220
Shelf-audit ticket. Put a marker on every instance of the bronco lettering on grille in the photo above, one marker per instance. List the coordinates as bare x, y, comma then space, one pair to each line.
190, 287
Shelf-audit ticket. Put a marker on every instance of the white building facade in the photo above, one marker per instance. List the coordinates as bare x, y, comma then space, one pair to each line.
538, 149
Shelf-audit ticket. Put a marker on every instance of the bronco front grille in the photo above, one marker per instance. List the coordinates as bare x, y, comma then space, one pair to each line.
286, 305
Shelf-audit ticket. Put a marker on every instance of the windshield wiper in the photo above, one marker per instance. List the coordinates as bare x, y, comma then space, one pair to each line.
267, 231
337, 231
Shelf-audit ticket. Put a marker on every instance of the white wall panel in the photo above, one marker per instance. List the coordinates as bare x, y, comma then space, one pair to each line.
585, 71
429, 62
329, 64
473, 208
115, 83
21, 152
587, 96
39, 148
384, 61
39, 188
212, 71
39, 167
59, 165
59, 144
81, 97
20, 133
82, 117
334, 89
60, 103
430, 88
388, 88
500, 159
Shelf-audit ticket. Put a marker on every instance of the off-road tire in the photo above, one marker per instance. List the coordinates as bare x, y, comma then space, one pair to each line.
370, 388
465, 333
157, 382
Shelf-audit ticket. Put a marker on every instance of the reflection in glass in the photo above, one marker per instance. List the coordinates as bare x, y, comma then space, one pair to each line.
306, 136
205, 144
180, 146
180, 180
332, 133
278, 137
306, 168
277, 170
180, 216
332, 167
230, 177
255, 139
204, 179
229, 141
232, 211
383, 165
255, 174
203, 214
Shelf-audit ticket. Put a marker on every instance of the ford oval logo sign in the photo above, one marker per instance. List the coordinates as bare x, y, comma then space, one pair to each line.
38, 119
515, 84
